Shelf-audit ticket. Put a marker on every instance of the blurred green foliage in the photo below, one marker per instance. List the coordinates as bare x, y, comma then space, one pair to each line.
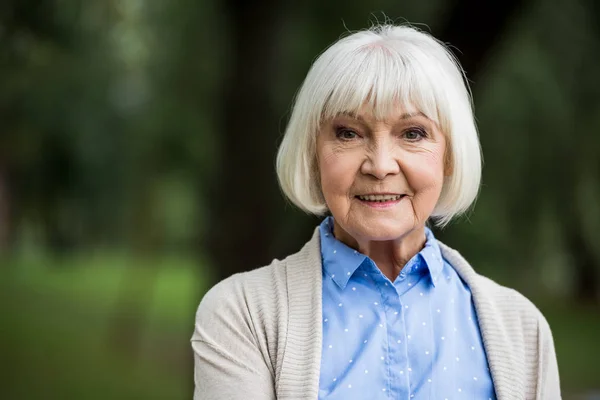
58, 342
137, 143
58, 338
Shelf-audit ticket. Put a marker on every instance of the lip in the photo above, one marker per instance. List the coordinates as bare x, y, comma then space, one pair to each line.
381, 194
383, 204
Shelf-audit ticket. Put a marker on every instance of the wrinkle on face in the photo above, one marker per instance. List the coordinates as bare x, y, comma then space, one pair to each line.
381, 158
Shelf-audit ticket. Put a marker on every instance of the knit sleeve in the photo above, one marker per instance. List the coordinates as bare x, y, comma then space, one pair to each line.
227, 361
549, 382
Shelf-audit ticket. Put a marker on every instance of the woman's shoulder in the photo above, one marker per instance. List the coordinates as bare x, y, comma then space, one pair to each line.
509, 300
257, 302
487, 293
242, 291
275, 276
247, 307
269, 281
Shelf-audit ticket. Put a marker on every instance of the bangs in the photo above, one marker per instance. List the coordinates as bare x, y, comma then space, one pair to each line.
384, 80
383, 71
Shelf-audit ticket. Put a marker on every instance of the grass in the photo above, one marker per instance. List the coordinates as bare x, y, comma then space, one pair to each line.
113, 327
65, 332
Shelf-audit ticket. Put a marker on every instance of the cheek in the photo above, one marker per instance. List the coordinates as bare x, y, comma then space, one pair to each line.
425, 173
337, 171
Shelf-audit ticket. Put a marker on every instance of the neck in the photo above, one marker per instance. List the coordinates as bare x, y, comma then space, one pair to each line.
390, 256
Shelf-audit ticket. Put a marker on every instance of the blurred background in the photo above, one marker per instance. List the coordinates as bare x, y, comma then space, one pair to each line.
137, 145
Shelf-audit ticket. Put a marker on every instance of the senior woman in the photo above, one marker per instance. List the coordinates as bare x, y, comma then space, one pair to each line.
381, 137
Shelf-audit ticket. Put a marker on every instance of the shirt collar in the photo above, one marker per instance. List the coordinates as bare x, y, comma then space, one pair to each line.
432, 255
340, 261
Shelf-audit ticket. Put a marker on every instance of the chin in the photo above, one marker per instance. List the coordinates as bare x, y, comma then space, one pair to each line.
376, 229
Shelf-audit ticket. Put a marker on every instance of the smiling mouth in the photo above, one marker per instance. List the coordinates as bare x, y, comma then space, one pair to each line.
380, 198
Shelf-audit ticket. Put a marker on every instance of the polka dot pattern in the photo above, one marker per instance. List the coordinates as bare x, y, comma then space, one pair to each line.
414, 337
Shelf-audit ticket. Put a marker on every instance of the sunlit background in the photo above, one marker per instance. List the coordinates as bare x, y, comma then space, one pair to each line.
137, 144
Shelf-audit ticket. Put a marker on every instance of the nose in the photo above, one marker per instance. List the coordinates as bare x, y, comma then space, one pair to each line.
380, 160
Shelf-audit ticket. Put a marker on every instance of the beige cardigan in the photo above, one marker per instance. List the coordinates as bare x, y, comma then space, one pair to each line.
258, 334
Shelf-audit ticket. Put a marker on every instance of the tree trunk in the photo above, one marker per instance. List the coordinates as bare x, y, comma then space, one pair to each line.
244, 191
474, 28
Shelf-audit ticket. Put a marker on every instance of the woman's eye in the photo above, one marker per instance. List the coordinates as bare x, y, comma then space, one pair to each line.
415, 134
345, 133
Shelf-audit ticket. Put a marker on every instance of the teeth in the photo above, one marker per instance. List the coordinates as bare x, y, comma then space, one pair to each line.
380, 198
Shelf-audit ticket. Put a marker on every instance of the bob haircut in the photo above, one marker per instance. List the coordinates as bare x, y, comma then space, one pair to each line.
383, 67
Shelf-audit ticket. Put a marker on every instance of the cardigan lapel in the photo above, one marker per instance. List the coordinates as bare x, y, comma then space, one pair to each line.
506, 375
300, 370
